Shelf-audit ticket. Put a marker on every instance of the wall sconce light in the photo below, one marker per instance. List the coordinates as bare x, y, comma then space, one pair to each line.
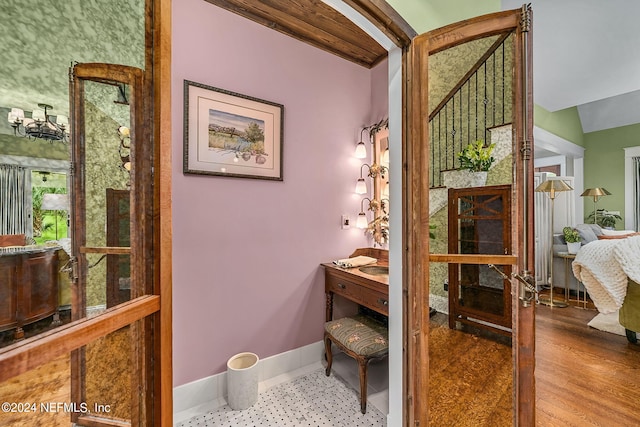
362, 221
40, 125
385, 158
361, 149
361, 185
125, 148
374, 171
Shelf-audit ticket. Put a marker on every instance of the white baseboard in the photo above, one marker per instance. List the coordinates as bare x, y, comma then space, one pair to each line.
210, 393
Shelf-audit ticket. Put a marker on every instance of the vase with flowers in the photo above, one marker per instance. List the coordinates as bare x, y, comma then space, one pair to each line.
476, 157
475, 160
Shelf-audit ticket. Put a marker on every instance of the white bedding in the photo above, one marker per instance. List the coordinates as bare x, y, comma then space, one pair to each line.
603, 267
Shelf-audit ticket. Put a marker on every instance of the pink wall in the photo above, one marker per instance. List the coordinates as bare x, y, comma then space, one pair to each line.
247, 252
380, 91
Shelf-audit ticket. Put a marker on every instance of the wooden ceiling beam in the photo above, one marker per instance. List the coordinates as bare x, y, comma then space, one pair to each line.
318, 24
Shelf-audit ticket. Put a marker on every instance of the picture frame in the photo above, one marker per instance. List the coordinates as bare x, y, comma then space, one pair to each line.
230, 134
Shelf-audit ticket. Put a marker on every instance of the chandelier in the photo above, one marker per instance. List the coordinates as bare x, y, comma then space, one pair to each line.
40, 125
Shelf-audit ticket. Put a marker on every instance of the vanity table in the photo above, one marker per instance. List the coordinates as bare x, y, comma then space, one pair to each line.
362, 285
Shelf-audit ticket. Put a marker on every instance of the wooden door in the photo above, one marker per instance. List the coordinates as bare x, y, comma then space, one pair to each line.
151, 404
480, 223
118, 235
98, 132
509, 31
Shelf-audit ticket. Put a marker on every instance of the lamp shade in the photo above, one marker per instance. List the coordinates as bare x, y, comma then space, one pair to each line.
385, 158
552, 186
55, 202
62, 120
16, 115
362, 222
595, 192
38, 115
385, 189
361, 186
361, 150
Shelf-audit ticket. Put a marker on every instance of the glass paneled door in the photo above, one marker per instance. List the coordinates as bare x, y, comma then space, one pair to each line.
470, 86
111, 242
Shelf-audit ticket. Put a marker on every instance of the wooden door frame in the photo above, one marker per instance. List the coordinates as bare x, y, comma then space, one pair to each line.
156, 307
160, 64
416, 221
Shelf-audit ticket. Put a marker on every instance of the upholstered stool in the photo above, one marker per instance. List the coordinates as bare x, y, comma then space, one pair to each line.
360, 337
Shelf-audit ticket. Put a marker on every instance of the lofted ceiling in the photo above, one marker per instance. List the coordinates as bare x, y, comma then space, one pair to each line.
586, 54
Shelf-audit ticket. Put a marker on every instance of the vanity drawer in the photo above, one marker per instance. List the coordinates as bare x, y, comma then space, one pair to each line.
375, 300
343, 287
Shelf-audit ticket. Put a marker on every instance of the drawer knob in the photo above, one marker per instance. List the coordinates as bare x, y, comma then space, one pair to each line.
341, 286
383, 302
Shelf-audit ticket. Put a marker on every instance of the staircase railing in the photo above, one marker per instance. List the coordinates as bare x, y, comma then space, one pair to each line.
481, 100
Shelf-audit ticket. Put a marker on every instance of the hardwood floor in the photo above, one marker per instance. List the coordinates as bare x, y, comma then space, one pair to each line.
584, 377
42, 397
470, 377
47, 384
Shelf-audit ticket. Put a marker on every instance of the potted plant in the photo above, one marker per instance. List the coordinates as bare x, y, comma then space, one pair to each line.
476, 157
475, 160
604, 218
572, 237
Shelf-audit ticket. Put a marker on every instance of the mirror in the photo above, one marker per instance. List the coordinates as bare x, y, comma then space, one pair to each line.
32, 239
470, 213
378, 173
104, 194
380, 225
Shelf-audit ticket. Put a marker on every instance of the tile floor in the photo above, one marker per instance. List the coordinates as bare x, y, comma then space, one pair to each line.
278, 405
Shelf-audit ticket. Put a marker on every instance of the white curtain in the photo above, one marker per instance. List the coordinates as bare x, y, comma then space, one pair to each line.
636, 193
13, 199
563, 215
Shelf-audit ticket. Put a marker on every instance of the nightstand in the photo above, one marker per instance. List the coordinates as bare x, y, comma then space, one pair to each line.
581, 302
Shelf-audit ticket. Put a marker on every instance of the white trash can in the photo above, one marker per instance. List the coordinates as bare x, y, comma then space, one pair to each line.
242, 381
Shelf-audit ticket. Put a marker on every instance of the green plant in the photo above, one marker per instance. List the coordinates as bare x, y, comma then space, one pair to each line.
571, 235
604, 218
476, 157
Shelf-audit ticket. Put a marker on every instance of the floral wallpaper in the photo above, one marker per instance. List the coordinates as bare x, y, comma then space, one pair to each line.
446, 68
482, 103
456, 126
102, 171
42, 38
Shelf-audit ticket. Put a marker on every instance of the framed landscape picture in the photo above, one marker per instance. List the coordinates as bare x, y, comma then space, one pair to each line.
229, 134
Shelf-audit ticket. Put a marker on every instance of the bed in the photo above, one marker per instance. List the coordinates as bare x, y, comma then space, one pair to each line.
608, 268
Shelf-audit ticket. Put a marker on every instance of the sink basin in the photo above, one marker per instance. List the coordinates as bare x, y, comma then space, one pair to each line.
375, 270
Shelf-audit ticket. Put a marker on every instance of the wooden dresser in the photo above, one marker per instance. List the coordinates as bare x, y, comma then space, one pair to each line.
367, 290
28, 286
